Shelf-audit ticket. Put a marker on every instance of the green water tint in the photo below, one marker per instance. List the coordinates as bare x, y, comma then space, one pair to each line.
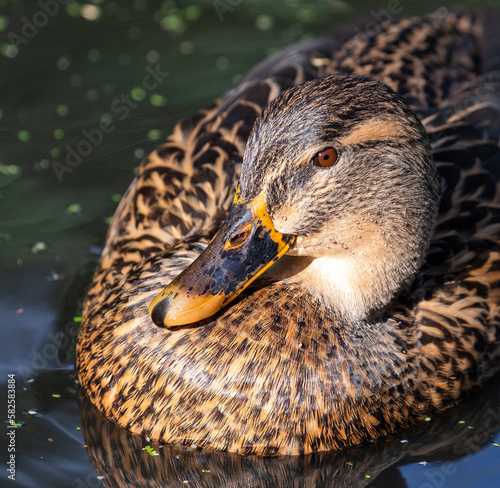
88, 91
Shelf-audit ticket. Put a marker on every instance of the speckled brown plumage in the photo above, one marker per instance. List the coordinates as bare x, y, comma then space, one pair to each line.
120, 459
280, 371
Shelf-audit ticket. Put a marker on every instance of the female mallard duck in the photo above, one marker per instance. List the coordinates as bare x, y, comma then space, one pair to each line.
382, 302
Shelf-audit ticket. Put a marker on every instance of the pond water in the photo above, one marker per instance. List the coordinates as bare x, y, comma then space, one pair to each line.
76, 73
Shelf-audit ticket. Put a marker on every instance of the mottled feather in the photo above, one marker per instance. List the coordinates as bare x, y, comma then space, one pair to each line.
277, 372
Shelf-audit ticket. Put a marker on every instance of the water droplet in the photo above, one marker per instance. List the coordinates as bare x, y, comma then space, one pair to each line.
344, 246
404, 351
359, 237
385, 244
359, 227
284, 217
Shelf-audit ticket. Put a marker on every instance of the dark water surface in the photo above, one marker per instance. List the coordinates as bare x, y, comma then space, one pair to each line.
78, 79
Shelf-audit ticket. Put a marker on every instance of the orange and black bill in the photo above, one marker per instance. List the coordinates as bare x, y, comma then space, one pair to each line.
245, 246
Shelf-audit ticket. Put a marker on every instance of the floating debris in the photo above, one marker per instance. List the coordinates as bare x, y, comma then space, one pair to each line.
90, 12
264, 22
23, 135
10, 169
150, 451
186, 47
154, 134
74, 208
62, 110
94, 55
157, 100
38, 247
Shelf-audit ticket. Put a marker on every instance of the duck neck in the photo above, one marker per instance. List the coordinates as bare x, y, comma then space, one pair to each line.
355, 285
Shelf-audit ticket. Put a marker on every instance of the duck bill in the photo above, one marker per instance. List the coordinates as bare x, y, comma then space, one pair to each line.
246, 245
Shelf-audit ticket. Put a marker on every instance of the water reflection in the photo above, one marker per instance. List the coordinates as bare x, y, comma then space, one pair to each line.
122, 460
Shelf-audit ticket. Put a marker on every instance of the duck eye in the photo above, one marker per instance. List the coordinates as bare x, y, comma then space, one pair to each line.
325, 158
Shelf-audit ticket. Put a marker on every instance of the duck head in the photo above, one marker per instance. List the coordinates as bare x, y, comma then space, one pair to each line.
338, 188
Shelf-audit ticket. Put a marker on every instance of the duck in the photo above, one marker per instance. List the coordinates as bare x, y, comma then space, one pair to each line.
446, 436
313, 262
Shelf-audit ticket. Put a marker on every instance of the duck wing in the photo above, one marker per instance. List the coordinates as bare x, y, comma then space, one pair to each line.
458, 315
